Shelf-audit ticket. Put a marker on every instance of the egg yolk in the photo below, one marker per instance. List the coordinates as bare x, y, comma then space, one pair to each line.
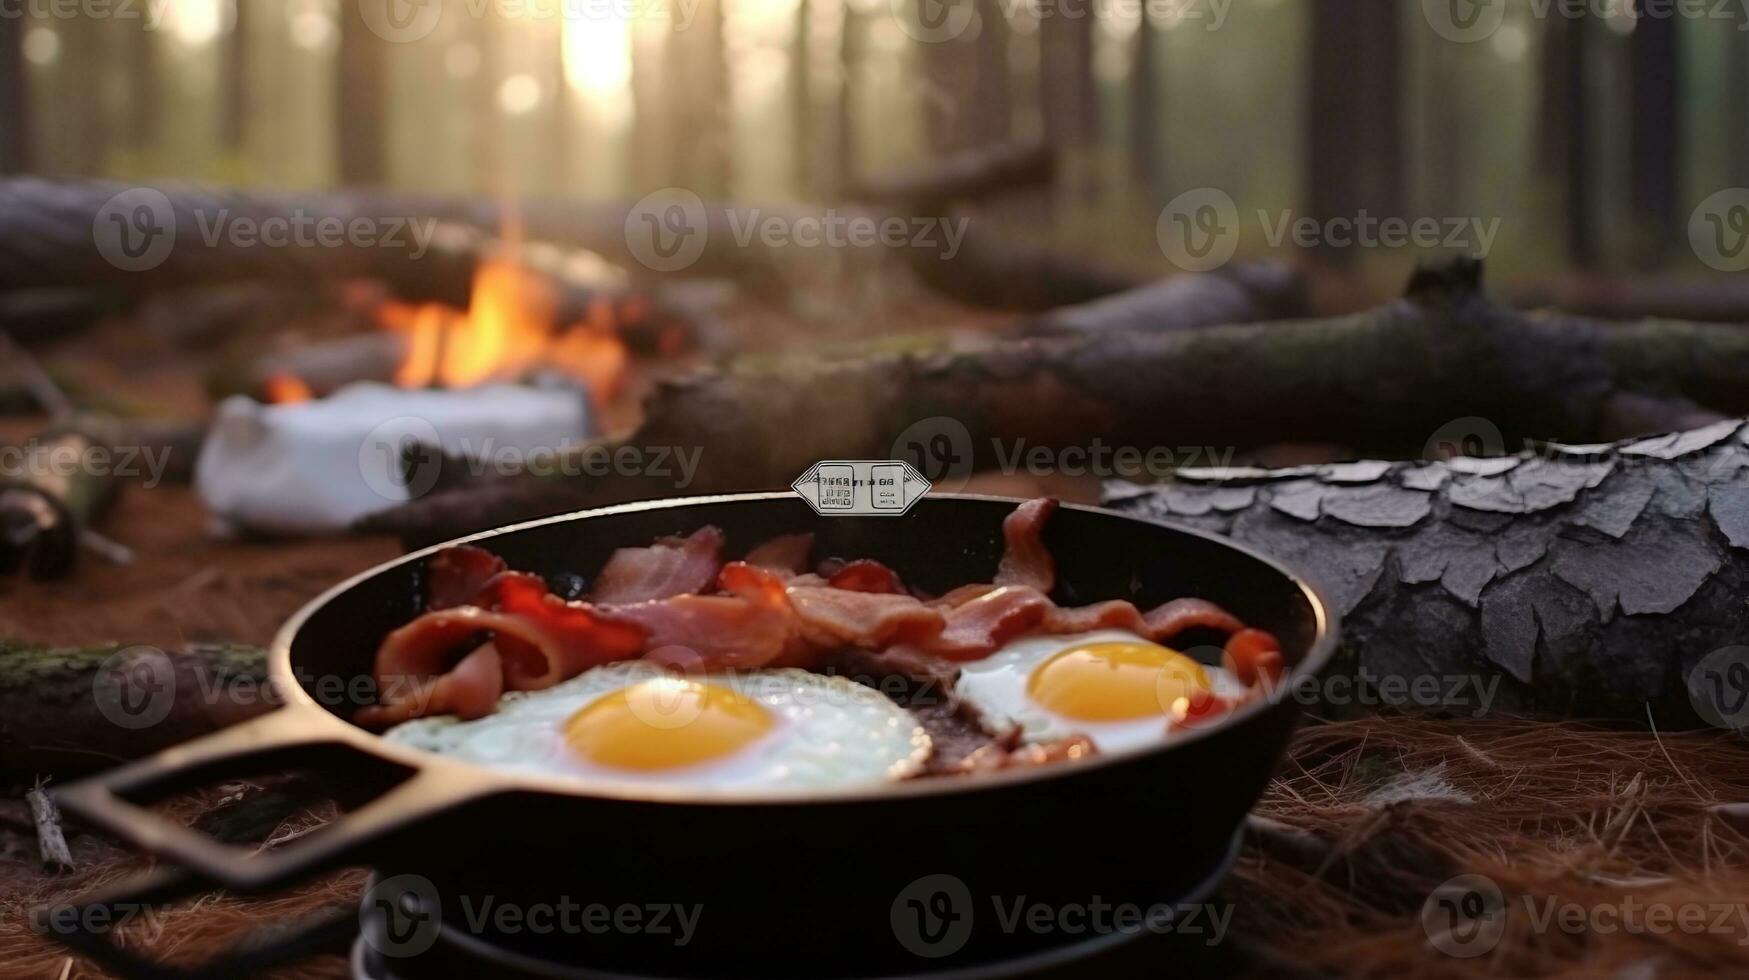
1115, 681
665, 723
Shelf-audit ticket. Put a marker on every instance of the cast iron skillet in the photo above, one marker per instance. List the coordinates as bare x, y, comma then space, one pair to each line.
813, 885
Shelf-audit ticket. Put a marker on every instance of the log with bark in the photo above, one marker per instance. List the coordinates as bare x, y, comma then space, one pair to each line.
1714, 299
47, 241
1384, 381
1592, 577
68, 711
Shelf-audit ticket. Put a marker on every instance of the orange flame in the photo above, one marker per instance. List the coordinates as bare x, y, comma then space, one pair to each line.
506, 333
287, 389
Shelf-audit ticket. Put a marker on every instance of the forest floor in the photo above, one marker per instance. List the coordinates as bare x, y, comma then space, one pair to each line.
1565, 820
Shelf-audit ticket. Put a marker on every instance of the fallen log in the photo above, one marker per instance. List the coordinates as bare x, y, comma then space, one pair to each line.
46, 241
961, 178
1593, 578
1714, 299
1386, 381
80, 710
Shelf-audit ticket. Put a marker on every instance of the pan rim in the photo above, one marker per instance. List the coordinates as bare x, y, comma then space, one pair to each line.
485, 781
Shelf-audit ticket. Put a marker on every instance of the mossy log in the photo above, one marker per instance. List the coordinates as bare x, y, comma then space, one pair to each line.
68, 711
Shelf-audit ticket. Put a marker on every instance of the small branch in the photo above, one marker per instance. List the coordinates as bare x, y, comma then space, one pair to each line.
49, 838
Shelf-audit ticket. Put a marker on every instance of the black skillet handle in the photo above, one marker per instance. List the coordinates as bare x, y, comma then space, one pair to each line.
288, 734
108, 801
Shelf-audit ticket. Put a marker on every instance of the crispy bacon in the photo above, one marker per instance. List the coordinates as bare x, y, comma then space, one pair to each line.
837, 617
670, 567
786, 553
1025, 559
469, 691
711, 632
867, 576
1179, 615
977, 628
454, 576
1253, 656
1114, 615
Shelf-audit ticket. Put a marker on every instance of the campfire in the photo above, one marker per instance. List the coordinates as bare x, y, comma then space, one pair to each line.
513, 331
337, 434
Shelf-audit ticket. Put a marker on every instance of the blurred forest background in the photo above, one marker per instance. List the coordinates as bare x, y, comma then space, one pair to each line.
1591, 137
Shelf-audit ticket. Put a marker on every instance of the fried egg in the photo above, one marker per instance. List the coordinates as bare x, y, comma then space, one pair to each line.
1114, 687
634, 722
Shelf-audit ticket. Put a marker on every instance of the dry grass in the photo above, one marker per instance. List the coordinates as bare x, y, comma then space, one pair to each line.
1599, 819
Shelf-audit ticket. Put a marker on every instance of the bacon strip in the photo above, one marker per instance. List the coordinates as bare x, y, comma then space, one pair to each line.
867, 576
454, 576
670, 567
1115, 615
1179, 615
1025, 559
787, 553
837, 617
977, 628
469, 691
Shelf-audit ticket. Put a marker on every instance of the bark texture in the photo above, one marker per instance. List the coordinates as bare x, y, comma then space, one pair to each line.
1592, 577
1388, 378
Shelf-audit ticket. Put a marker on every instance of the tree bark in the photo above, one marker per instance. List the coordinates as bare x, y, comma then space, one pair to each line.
1591, 578
74, 711
1655, 154
1354, 137
361, 102
1385, 379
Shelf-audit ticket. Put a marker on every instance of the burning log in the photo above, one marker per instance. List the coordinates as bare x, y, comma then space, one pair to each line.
1386, 379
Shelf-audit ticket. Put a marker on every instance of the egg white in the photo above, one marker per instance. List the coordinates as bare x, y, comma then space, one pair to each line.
997, 687
827, 733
